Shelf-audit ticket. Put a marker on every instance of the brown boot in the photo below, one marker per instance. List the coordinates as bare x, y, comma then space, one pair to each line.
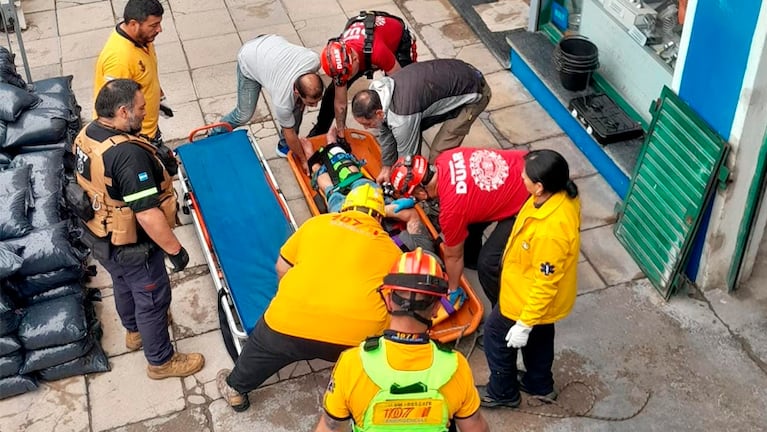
180, 365
133, 341
238, 401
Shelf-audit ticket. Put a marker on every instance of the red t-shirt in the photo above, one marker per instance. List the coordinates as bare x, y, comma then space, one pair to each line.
478, 185
386, 38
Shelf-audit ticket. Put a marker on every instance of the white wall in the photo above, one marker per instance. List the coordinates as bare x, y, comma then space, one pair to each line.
746, 137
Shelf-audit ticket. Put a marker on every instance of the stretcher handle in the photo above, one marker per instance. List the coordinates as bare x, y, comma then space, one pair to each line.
224, 125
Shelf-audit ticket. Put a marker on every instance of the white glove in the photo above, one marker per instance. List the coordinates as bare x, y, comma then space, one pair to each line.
517, 335
165, 109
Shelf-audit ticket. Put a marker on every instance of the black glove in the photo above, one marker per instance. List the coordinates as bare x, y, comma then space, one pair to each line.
180, 260
168, 159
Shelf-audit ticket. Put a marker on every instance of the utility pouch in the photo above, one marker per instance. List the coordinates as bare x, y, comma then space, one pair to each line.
123, 226
168, 159
78, 202
99, 246
133, 255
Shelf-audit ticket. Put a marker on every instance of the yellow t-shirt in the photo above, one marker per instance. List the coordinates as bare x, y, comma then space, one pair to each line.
540, 262
339, 261
350, 389
123, 58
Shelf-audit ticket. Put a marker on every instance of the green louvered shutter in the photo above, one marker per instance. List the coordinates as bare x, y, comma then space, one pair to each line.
673, 180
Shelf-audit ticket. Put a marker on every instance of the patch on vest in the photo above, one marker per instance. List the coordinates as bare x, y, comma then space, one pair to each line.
142, 176
331, 385
408, 412
547, 269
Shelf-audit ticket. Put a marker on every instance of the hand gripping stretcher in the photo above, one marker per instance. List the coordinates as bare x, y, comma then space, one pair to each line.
242, 220
448, 327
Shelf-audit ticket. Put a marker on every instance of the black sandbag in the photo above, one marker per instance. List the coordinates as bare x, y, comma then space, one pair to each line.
8, 73
62, 84
16, 385
10, 260
6, 304
15, 200
55, 322
47, 249
93, 362
10, 364
47, 357
63, 145
47, 175
35, 127
29, 286
9, 322
62, 291
9, 344
61, 103
14, 101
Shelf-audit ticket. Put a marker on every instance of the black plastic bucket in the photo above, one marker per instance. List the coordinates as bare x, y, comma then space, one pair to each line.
576, 58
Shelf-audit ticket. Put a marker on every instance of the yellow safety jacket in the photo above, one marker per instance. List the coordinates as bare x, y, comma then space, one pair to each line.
113, 216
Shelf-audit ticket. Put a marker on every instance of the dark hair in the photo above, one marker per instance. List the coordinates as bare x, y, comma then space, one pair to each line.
140, 10
365, 104
114, 94
551, 170
310, 85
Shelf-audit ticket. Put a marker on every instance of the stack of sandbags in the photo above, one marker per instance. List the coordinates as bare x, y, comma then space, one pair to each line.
48, 329
43, 116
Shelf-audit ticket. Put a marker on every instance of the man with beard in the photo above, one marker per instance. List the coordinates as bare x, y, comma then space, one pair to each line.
129, 226
129, 53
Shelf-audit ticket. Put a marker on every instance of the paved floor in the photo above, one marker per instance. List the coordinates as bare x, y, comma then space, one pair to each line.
621, 339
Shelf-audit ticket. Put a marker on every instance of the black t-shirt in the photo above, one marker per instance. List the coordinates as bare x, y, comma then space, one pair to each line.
136, 174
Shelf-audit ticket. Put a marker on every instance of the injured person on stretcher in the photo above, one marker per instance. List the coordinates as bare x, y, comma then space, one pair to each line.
335, 172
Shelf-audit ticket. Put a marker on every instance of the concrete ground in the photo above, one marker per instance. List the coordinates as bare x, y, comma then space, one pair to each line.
621, 340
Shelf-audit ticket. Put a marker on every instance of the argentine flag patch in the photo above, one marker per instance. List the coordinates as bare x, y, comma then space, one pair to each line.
143, 176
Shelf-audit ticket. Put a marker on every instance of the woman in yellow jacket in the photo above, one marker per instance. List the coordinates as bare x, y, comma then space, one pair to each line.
538, 283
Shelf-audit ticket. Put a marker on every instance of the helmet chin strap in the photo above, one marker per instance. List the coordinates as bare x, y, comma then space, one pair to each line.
410, 307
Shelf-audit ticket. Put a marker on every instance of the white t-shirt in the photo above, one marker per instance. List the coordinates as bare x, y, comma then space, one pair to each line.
276, 64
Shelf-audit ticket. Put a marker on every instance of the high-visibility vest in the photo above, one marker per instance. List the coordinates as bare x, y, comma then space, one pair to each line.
407, 400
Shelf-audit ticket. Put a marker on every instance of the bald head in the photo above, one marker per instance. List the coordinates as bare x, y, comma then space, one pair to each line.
310, 86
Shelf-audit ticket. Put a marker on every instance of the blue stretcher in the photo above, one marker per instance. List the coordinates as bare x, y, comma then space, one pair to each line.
242, 219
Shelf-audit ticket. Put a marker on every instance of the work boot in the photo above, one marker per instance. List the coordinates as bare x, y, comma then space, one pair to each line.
180, 365
133, 341
238, 401
520, 378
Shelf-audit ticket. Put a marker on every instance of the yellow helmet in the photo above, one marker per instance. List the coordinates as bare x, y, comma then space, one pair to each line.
367, 198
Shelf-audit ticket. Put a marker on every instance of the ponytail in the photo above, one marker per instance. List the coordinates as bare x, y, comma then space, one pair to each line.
571, 188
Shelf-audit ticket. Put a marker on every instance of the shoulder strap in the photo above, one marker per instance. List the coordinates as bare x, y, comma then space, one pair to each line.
369, 18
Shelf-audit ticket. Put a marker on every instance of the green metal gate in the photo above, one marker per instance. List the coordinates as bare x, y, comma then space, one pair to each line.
680, 163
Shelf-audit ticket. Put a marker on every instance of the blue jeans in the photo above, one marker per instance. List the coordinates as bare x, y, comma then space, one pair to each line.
538, 356
336, 199
247, 99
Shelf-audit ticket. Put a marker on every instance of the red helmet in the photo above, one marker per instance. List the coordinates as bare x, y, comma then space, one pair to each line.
409, 172
417, 271
337, 61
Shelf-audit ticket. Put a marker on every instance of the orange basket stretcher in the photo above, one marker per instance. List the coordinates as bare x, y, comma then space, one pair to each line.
451, 327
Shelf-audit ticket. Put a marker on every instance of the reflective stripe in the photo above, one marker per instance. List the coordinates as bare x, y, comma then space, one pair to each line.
138, 195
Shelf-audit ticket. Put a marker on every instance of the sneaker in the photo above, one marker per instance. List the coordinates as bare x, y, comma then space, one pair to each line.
133, 341
180, 365
238, 401
487, 401
282, 148
520, 378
